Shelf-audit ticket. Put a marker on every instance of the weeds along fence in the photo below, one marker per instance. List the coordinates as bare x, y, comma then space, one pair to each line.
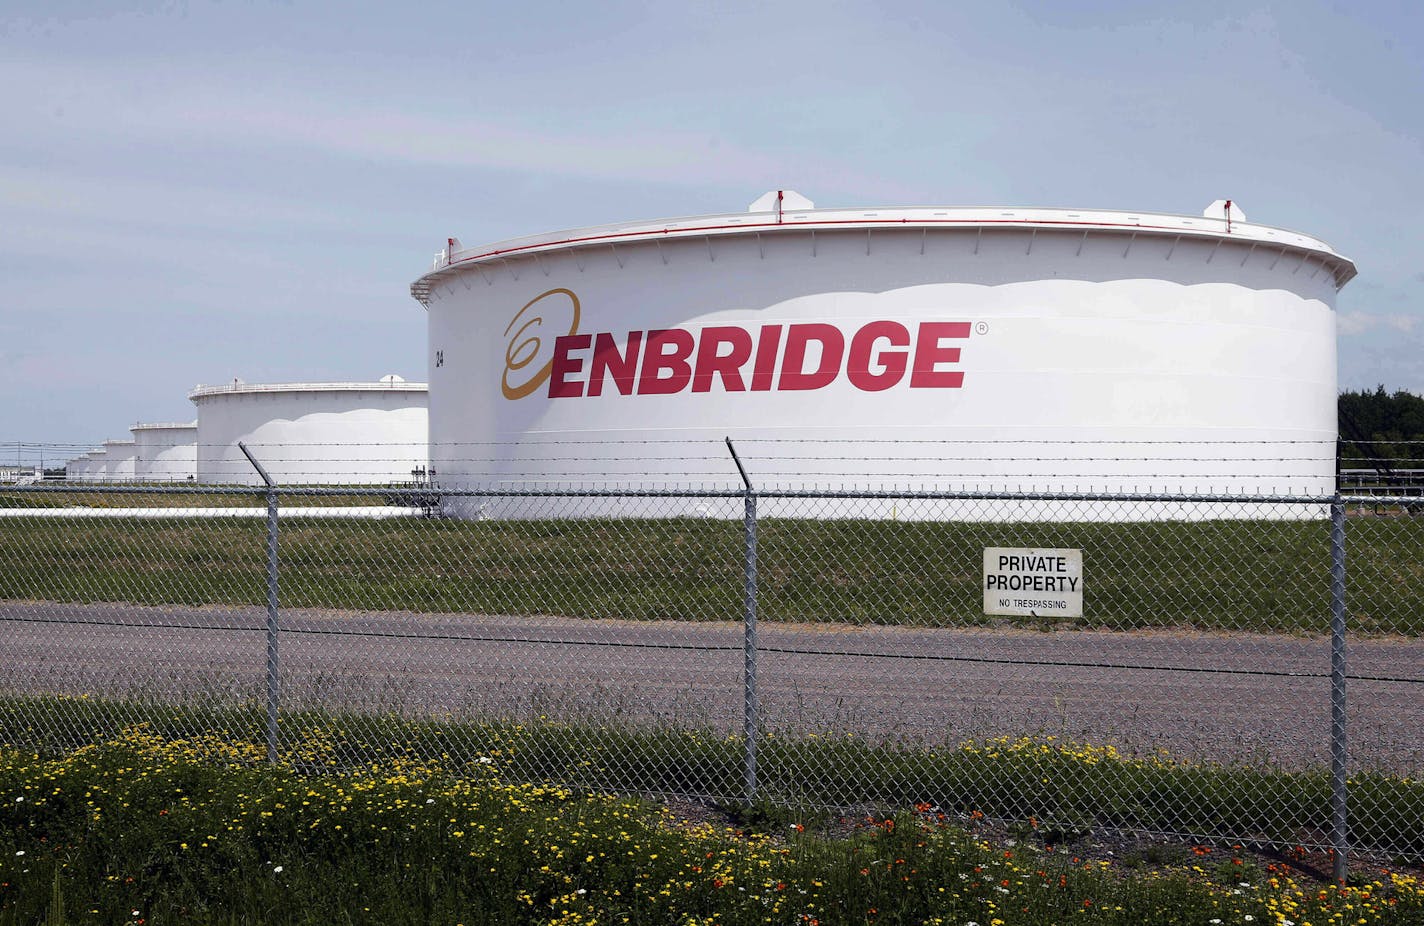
1237, 667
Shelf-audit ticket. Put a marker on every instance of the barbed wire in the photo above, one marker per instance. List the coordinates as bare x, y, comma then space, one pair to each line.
742, 438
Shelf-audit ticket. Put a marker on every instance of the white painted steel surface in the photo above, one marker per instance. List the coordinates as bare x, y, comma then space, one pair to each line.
1145, 349
97, 465
119, 460
167, 452
312, 433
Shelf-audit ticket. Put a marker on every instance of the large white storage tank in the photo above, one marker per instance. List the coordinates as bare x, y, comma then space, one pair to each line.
313, 433
119, 460
77, 469
1046, 349
98, 466
166, 451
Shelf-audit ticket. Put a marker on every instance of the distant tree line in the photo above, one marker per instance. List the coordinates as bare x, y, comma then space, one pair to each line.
1381, 430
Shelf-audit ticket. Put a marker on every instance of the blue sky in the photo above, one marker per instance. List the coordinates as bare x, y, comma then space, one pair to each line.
193, 192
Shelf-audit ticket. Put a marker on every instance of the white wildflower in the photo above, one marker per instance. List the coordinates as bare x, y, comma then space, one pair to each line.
277, 870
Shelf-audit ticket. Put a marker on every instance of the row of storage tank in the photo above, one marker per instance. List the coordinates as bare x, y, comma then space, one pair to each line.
163, 452
302, 433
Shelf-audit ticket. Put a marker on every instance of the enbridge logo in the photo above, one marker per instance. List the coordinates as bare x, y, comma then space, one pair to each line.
523, 350
879, 355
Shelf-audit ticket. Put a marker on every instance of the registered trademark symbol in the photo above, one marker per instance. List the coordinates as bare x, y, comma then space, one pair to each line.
981, 327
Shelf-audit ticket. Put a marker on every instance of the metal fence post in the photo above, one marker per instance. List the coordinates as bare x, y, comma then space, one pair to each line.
749, 647
1339, 756
274, 674
749, 633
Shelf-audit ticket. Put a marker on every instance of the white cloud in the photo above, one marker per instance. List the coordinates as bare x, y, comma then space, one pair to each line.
121, 103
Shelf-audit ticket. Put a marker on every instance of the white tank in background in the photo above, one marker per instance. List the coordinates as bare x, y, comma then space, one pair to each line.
119, 459
166, 451
97, 465
77, 469
359, 433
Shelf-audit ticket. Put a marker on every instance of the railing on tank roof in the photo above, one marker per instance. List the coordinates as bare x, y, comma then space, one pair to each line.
929, 216
228, 388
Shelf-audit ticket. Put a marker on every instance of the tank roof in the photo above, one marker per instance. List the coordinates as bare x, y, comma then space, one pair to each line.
117, 443
165, 426
1091, 221
241, 388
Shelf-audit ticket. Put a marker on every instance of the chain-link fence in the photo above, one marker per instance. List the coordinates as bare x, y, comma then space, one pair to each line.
1235, 667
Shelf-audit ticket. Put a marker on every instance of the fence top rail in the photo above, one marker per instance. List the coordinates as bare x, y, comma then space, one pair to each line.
430, 493
1369, 499
1035, 496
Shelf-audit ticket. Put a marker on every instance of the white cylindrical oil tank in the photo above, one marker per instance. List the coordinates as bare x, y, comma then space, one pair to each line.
98, 466
312, 433
1047, 350
77, 469
166, 451
119, 458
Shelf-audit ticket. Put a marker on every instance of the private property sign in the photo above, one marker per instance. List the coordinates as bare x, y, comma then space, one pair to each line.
1042, 583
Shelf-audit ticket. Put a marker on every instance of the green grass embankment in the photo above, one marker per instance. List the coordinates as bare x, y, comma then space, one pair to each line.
1236, 576
1072, 789
1258, 576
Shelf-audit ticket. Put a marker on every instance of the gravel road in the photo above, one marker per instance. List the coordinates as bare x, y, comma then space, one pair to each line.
1200, 696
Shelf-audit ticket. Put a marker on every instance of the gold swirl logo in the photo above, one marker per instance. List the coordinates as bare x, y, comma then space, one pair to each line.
525, 346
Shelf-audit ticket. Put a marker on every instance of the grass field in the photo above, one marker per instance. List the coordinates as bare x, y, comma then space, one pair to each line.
1260, 576
144, 830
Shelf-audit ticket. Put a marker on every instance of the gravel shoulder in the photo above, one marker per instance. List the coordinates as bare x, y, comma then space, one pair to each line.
1227, 697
